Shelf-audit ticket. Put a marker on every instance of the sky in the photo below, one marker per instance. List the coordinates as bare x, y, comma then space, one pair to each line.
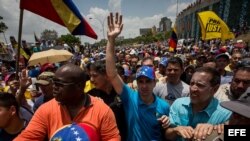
136, 14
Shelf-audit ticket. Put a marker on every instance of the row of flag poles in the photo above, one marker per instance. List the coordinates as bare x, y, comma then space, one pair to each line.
63, 12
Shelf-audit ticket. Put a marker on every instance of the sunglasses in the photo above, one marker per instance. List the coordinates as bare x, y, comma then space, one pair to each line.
59, 83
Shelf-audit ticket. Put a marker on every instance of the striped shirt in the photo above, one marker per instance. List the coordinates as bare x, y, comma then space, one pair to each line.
181, 113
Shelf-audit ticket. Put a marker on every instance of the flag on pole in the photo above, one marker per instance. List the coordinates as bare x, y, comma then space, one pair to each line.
212, 26
37, 40
22, 52
63, 12
173, 41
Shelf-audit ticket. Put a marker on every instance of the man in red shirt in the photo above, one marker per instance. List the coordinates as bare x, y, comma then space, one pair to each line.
71, 115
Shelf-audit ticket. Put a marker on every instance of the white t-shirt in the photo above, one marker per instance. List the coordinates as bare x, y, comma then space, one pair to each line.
171, 92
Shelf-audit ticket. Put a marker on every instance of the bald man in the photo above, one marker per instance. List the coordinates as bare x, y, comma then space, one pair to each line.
71, 114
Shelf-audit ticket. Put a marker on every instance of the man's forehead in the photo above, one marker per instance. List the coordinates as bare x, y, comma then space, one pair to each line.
148, 62
201, 76
93, 72
64, 73
174, 65
134, 59
243, 73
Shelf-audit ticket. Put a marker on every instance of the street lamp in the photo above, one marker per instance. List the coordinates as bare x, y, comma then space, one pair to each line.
102, 24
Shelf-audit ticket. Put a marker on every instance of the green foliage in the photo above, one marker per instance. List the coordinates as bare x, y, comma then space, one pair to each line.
168, 34
70, 39
146, 39
49, 35
3, 26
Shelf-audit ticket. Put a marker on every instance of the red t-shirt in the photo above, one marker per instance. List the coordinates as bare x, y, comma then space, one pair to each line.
52, 116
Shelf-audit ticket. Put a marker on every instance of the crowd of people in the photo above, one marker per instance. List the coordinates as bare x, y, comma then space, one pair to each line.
124, 93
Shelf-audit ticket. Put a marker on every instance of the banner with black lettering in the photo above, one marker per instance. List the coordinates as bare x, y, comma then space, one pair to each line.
212, 26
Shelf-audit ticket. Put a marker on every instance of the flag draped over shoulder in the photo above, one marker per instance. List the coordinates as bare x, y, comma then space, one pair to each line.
173, 41
63, 12
213, 26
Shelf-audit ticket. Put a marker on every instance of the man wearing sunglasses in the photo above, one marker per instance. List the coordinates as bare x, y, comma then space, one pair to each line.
71, 115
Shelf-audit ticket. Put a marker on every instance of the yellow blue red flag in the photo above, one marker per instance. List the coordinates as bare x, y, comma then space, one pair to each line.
63, 12
173, 41
212, 26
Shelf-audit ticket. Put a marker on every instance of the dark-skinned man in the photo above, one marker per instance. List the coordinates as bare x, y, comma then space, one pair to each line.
71, 115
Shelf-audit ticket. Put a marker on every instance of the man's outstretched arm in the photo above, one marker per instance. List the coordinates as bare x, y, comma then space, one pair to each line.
114, 29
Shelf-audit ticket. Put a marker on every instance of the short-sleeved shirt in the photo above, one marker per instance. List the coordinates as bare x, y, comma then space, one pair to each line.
171, 92
141, 118
224, 93
181, 113
226, 78
52, 116
113, 100
4, 136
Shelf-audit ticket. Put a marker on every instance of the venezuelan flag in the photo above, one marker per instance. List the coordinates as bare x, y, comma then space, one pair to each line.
173, 41
63, 12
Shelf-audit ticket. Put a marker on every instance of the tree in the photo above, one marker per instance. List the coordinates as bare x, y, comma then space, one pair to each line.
159, 36
49, 35
3, 27
70, 39
168, 34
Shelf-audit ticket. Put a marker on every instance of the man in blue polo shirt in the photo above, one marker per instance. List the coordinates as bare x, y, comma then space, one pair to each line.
146, 114
193, 117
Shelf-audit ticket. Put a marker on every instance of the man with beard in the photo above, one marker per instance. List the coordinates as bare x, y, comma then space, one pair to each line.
222, 60
239, 84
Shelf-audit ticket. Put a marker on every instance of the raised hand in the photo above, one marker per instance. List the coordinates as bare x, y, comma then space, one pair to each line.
25, 81
114, 27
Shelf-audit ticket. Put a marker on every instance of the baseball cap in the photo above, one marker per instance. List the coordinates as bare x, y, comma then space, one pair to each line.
222, 55
47, 66
240, 106
223, 49
243, 63
163, 61
145, 71
45, 78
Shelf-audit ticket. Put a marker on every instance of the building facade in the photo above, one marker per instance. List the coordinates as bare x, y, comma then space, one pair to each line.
165, 24
235, 13
145, 31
